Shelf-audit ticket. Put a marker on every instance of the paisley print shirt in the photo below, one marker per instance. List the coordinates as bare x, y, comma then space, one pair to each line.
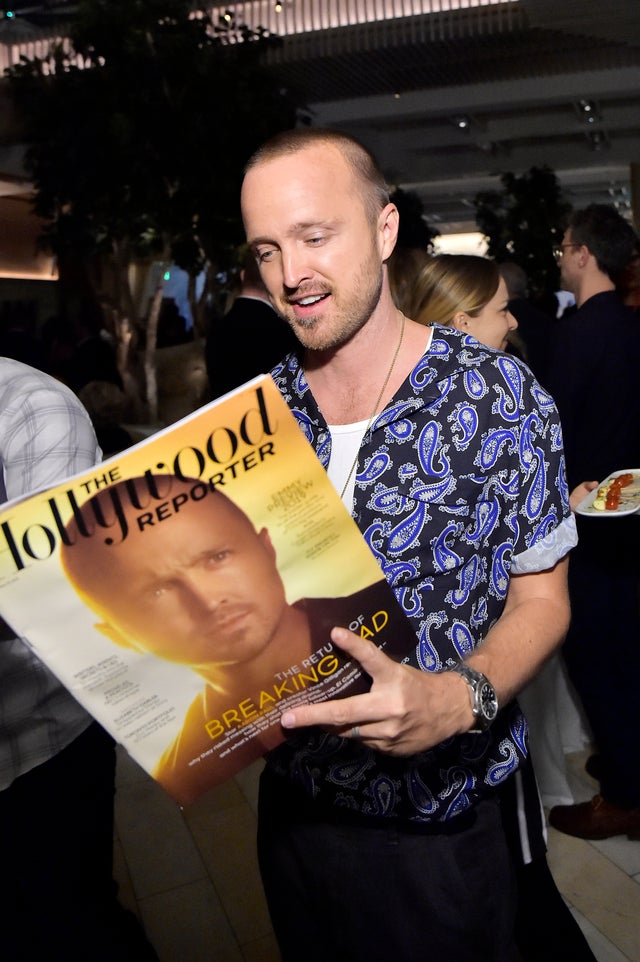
460, 481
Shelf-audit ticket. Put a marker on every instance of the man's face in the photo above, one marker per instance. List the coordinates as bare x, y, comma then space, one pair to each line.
201, 587
319, 254
568, 263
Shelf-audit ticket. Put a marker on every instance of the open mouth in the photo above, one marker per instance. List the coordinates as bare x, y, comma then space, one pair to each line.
305, 305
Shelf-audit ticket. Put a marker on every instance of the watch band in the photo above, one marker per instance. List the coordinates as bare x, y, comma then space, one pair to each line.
484, 701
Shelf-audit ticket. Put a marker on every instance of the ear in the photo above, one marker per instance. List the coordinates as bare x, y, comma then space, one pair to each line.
583, 256
460, 321
388, 221
104, 628
265, 539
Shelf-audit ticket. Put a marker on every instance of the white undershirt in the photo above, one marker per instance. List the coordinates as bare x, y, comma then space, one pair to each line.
345, 444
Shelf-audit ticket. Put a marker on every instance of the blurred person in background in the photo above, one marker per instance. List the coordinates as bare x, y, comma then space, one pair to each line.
593, 378
249, 339
466, 292
57, 765
403, 266
535, 327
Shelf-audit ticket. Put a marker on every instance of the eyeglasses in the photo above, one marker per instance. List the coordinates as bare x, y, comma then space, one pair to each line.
559, 251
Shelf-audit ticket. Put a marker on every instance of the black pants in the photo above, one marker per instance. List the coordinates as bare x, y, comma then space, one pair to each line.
346, 891
546, 931
56, 845
602, 650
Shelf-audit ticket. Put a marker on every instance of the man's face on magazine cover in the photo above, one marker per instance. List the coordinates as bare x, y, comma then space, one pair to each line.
198, 588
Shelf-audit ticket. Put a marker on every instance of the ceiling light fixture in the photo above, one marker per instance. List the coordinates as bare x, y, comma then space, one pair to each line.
587, 110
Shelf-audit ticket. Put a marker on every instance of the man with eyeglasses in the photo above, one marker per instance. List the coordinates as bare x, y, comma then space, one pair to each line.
593, 379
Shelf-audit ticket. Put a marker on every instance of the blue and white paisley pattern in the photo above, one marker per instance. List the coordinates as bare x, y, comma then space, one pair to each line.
499, 770
385, 499
487, 515
467, 581
460, 481
374, 467
475, 385
493, 445
422, 799
461, 639
464, 419
431, 452
406, 534
510, 399
428, 657
381, 797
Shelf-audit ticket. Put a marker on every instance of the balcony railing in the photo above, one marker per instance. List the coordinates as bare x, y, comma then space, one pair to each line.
288, 17
316, 27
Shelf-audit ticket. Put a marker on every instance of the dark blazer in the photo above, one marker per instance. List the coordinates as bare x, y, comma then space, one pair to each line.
249, 340
593, 378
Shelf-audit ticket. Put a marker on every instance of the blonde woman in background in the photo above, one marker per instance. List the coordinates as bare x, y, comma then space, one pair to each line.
465, 292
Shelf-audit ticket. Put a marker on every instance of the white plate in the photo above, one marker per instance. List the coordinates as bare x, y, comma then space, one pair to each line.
629, 501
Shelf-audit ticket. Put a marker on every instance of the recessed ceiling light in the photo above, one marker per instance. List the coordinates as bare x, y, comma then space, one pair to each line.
587, 110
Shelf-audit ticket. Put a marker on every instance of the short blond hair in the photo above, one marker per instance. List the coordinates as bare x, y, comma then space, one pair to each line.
363, 164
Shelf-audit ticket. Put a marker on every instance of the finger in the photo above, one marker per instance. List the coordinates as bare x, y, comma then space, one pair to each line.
345, 713
374, 661
342, 714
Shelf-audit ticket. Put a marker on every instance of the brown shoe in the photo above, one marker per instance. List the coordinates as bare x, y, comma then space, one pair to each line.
596, 819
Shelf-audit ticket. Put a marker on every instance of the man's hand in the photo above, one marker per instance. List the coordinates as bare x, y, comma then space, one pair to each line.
406, 711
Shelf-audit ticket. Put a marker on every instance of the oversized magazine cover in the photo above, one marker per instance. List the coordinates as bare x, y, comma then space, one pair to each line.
184, 590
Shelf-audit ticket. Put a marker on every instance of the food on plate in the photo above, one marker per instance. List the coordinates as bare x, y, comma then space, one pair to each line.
610, 493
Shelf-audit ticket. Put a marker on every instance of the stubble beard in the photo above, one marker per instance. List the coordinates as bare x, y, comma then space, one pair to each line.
346, 321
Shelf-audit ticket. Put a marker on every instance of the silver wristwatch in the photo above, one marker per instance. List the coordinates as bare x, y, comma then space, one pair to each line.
484, 701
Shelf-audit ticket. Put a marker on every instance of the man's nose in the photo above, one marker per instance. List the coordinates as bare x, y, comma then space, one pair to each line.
295, 269
203, 594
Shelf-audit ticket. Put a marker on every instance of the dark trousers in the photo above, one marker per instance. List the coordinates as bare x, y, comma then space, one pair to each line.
602, 653
346, 891
56, 845
546, 931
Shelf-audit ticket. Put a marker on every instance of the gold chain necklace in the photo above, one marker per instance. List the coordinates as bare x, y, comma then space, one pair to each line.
375, 406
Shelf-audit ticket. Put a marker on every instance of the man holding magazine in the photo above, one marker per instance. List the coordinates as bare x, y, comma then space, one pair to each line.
379, 831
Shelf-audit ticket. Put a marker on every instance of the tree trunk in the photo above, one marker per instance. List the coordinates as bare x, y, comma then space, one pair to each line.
150, 371
121, 308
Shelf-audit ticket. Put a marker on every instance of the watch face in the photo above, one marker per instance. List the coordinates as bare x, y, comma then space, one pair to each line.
488, 701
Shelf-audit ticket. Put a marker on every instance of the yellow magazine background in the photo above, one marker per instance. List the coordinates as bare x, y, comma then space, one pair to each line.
320, 553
